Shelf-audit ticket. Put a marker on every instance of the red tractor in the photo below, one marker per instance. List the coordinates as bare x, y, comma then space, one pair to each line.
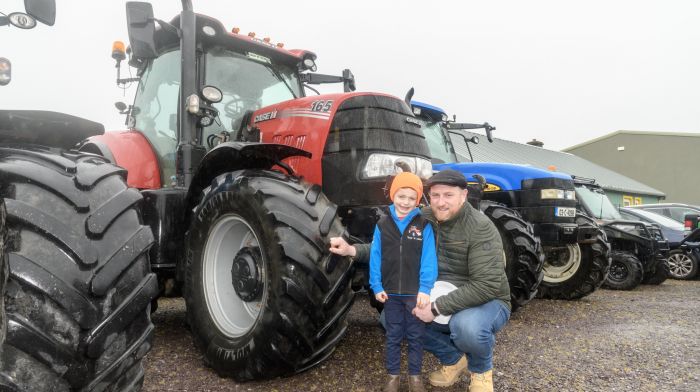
242, 180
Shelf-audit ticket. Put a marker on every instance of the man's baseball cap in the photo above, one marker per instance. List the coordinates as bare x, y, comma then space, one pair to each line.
447, 177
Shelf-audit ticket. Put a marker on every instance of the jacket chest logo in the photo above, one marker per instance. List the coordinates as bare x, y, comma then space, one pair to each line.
414, 233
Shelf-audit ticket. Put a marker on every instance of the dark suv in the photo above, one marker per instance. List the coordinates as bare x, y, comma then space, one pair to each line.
675, 211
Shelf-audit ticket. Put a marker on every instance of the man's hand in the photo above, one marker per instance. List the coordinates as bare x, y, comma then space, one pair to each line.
340, 247
424, 314
381, 297
422, 300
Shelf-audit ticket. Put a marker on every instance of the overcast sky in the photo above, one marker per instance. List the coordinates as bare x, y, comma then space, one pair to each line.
558, 71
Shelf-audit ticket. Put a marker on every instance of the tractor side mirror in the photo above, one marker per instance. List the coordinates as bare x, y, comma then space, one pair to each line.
42, 10
142, 28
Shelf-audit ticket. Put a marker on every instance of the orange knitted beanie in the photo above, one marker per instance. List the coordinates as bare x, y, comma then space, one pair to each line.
406, 180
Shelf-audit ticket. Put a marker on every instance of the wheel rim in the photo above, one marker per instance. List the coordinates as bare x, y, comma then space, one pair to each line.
618, 271
561, 263
679, 265
228, 240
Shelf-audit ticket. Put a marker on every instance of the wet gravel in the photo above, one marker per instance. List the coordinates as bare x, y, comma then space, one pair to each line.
642, 340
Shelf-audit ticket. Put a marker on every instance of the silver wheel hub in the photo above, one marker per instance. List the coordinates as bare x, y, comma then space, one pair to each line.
233, 276
561, 263
679, 265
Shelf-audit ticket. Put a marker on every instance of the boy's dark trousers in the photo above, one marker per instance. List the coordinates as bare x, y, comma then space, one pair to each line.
400, 323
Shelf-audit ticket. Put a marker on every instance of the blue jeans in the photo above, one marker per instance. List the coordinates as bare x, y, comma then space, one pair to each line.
471, 331
400, 323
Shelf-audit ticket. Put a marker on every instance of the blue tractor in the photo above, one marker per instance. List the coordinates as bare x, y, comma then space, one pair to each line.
576, 251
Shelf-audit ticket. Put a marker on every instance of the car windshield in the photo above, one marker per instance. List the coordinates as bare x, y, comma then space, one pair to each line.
597, 202
441, 150
656, 218
247, 83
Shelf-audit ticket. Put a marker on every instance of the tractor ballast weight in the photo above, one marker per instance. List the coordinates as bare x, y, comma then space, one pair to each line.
638, 250
244, 181
575, 249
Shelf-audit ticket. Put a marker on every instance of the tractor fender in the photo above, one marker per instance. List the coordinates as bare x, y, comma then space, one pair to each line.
51, 129
232, 156
130, 150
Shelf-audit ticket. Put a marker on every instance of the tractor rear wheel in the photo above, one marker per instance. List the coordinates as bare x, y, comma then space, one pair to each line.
626, 271
575, 270
77, 295
265, 297
523, 252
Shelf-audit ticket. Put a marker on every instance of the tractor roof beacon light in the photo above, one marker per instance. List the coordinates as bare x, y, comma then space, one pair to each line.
118, 51
5, 71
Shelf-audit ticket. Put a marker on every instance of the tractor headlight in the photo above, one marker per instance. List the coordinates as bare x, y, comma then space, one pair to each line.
557, 194
552, 194
382, 165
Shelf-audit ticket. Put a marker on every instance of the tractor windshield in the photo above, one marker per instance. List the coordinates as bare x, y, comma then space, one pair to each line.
247, 83
440, 147
597, 203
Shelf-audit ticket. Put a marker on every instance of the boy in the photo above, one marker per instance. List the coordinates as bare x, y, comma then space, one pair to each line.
403, 269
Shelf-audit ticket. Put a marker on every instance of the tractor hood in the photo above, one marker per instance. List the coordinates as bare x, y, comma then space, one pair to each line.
506, 176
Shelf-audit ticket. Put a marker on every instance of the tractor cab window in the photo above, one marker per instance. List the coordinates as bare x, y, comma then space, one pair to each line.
155, 110
247, 83
440, 147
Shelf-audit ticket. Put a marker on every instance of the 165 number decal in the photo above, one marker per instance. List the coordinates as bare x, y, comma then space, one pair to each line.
321, 106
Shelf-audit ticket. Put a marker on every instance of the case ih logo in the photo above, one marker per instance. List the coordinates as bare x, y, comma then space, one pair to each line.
265, 116
413, 121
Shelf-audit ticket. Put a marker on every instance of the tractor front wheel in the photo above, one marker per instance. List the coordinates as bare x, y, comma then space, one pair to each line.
265, 298
573, 271
523, 252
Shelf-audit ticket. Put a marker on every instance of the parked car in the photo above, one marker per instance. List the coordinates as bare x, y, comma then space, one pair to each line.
682, 263
675, 211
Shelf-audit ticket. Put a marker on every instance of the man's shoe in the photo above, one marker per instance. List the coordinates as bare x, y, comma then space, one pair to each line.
448, 375
392, 383
482, 382
415, 384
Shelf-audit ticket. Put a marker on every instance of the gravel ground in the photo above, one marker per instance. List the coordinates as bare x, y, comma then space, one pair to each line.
641, 340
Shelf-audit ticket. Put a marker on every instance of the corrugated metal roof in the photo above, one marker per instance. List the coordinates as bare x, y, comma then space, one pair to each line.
511, 152
638, 133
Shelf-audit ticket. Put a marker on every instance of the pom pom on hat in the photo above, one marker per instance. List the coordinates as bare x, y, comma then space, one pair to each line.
406, 180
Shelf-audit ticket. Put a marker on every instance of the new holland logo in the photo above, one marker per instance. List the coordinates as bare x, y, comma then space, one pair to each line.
265, 116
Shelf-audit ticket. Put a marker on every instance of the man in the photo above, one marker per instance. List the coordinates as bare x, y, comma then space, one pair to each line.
470, 256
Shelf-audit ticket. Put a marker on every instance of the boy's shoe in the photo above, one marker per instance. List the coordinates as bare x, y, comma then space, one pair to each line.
392, 383
415, 384
448, 375
481, 382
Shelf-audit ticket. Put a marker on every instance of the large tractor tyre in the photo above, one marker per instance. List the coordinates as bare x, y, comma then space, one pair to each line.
682, 265
79, 288
626, 271
523, 253
576, 270
265, 297
3, 271
659, 275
